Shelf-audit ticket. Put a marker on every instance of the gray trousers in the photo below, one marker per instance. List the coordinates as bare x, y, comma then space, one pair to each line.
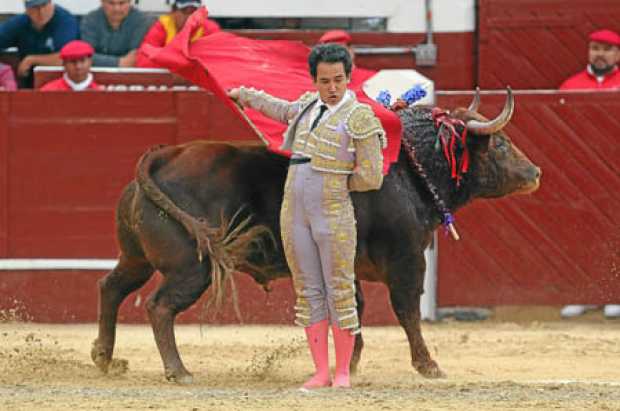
319, 236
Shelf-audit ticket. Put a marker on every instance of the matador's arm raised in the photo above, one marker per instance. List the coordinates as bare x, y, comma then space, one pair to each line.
276, 108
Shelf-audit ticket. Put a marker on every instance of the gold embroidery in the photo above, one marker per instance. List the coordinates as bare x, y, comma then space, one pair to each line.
369, 175
302, 306
362, 123
341, 221
334, 166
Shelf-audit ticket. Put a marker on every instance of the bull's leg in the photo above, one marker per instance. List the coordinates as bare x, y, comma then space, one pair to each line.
359, 340
178, 291
405, 297
128, 275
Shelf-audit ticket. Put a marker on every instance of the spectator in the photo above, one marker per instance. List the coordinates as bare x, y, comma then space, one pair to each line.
601, 73
115, 30
7, 79
338, 37
77, 58
168, 25
39, 34
602, 70
358, 74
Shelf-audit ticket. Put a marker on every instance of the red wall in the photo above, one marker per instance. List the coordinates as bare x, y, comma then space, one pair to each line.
537, 44
65, 158
561, 244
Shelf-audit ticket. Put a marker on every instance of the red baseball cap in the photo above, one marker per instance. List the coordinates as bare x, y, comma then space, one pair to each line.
75, 50
606, 36
336, 36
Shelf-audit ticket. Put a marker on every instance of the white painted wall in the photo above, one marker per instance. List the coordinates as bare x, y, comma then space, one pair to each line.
403, 15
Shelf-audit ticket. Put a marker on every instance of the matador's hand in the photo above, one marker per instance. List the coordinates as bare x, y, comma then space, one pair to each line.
233, 93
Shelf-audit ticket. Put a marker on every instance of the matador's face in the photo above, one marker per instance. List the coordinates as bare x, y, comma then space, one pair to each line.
331, 82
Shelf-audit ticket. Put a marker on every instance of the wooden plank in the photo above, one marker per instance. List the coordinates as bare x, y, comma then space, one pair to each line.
45, 297
72, 153
105, 77
559, 245
538, 44
202, 116
4, 173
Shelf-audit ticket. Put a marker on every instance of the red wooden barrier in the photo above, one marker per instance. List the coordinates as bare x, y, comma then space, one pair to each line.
561, 244
64, 159
534, 44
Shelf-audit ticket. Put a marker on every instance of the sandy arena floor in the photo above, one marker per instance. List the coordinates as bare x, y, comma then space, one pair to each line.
571, 365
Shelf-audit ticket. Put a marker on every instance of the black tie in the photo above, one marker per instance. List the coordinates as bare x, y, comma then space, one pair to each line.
322, 109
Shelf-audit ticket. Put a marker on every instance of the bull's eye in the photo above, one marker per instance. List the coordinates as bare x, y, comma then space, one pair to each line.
502, 146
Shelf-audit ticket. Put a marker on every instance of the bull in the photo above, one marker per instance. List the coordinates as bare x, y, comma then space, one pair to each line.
195, 212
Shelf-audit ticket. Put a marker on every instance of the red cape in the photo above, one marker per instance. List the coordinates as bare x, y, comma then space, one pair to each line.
222, 61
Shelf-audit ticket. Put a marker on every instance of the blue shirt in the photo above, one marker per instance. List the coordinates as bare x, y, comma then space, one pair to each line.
18, 32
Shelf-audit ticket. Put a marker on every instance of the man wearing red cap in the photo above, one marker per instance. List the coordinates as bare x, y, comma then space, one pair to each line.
343, 38
602, 71
338, 37
77, 58
168, 25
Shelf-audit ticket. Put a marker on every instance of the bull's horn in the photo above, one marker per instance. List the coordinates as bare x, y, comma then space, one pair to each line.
475, 103
495, 125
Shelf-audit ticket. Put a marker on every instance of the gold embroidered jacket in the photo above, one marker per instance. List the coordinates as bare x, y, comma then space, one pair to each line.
348, 141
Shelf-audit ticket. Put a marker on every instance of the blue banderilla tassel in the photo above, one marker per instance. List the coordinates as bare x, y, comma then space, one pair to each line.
414, 94
448, 223
384, 98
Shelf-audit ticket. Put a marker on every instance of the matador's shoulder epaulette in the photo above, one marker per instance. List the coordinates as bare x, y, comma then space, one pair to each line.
363, 123
307, 98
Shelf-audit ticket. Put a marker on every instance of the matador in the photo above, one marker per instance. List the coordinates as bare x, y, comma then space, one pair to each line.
336, 145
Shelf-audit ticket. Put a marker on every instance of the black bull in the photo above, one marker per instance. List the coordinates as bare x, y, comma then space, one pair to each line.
181, 216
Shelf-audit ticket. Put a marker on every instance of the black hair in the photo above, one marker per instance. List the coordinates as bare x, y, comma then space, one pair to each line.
329, 53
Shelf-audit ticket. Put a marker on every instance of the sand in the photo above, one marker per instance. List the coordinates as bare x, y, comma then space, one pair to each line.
491, 365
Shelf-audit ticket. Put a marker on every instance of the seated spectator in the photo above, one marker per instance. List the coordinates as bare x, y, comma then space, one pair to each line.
39, 34
115, 30
602, 70
77, 58
7, 79
168, 25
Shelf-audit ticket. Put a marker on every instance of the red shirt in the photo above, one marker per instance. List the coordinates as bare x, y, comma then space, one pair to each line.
61, 85
163, 31
585, 80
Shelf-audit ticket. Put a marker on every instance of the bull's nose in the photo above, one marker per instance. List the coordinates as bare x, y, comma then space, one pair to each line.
534, 173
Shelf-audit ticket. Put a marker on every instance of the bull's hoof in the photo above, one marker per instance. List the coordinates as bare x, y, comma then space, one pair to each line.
182, 377
100, 356
430, 370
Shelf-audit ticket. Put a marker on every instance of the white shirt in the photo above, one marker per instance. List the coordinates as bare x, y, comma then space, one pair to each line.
330, 109
81, 86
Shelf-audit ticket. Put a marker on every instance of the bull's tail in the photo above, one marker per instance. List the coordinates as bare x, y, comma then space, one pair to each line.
227, 246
